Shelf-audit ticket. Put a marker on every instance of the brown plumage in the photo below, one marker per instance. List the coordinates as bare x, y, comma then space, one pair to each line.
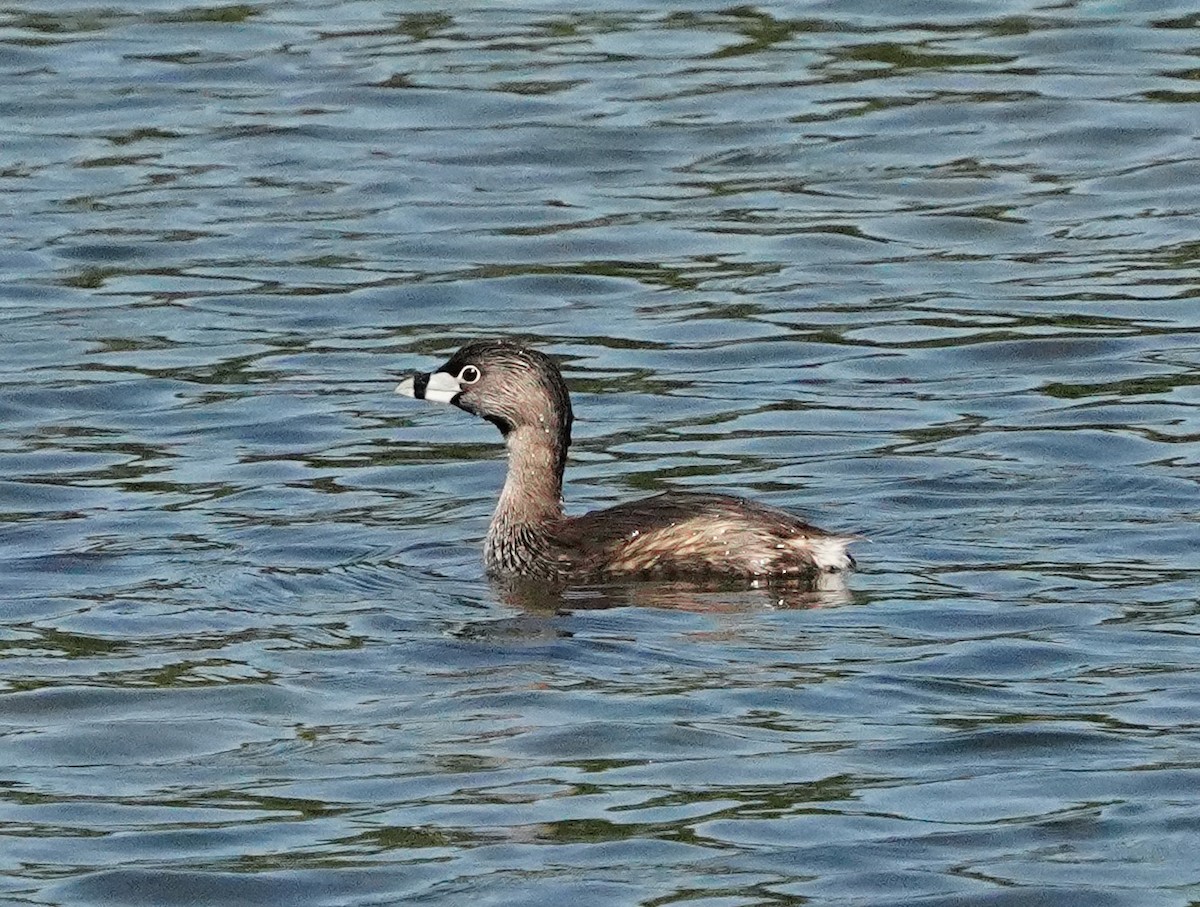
676, 534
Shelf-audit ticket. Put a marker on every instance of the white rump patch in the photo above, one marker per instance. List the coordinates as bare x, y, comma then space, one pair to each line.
828, 553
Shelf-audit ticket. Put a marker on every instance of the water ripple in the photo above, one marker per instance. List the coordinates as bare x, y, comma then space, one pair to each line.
923, 272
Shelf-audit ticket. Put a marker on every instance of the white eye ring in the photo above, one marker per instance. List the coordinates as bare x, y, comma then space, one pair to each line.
469, 374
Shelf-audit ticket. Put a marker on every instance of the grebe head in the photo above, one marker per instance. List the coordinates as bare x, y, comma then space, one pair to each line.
511, 386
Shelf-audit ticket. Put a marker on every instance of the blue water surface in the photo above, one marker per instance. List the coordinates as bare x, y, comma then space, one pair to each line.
926, 272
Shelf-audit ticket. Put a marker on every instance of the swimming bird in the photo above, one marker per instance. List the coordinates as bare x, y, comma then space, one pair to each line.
676, 534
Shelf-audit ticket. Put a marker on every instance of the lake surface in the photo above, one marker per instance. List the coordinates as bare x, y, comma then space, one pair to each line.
927, 272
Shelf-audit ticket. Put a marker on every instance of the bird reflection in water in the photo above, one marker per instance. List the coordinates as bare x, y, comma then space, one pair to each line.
680, 595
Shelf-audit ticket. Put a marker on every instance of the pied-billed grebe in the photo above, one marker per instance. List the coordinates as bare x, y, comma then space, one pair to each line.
675, 534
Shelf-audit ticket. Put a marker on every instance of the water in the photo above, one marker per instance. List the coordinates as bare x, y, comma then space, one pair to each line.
927, 272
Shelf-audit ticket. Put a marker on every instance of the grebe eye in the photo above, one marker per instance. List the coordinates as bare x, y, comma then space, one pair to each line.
469, 374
